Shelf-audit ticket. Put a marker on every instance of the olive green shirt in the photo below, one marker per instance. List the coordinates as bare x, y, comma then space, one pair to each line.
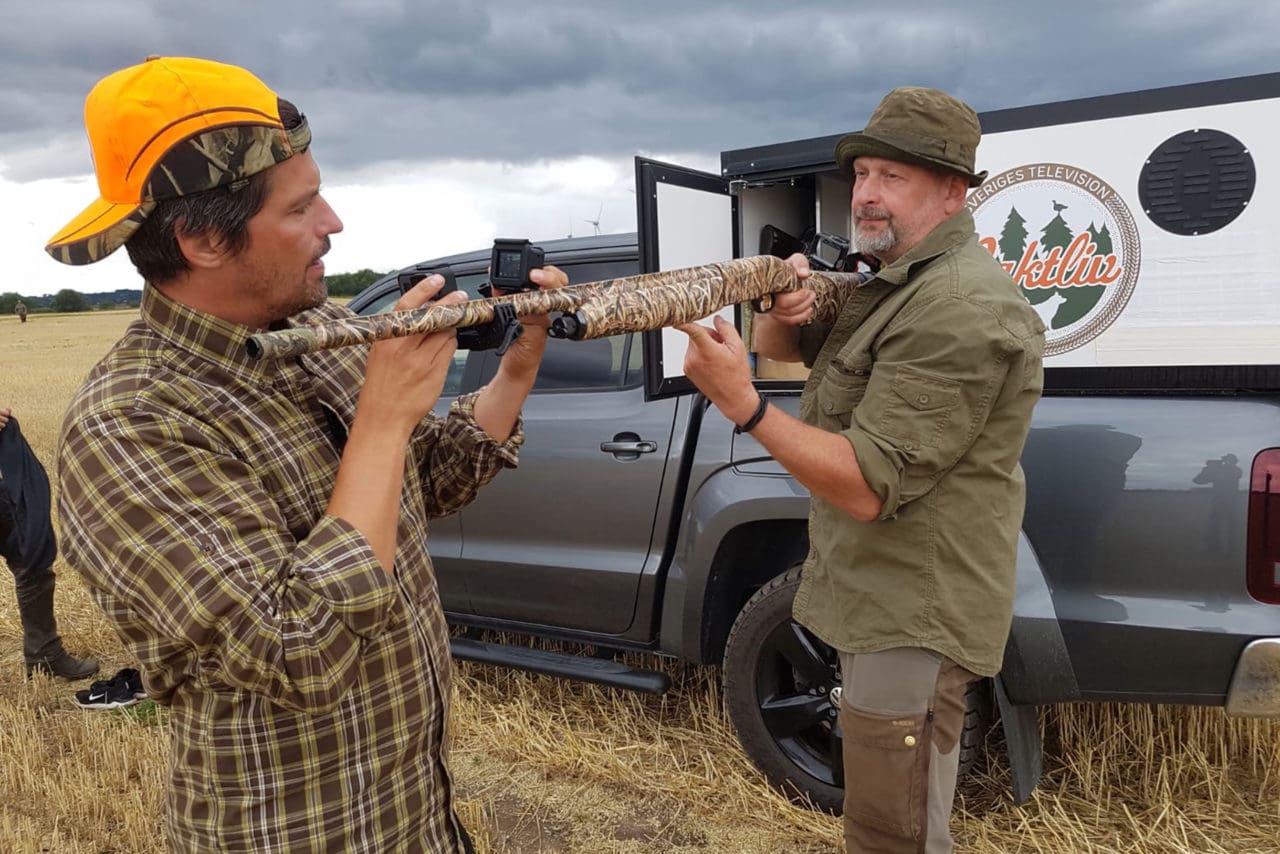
931, 372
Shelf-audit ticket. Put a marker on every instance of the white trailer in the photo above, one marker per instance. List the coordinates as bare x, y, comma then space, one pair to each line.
1142, 226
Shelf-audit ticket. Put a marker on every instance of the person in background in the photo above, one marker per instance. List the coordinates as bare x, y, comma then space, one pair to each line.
29, 547
256, 531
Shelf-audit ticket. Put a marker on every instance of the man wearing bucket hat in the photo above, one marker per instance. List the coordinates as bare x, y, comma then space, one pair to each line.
912, 421
256, 531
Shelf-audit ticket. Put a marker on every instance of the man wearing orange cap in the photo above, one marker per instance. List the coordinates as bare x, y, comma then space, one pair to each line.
256, 531
917, 406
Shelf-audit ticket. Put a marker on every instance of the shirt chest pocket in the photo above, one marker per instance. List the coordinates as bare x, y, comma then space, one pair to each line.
919, 407
842, 388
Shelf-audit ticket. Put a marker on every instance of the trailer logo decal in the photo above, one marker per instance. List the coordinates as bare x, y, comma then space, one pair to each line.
1081, 269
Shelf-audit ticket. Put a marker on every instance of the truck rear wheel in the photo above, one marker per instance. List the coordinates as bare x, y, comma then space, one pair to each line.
777, 686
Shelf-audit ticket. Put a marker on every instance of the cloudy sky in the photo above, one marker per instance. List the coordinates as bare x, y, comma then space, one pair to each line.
439, 126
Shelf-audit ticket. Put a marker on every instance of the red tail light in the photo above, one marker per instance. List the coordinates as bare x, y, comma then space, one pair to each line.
1264, 528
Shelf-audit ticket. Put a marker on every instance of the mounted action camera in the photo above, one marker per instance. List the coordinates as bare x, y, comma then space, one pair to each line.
827, 251
511, 263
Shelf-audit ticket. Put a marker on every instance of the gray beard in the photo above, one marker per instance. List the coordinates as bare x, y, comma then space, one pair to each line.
872, 244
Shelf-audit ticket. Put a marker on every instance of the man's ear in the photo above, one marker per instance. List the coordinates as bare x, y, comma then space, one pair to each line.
956, 190
204, 250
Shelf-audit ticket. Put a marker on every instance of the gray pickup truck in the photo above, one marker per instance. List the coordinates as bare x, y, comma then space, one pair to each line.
1142, 229
636, 524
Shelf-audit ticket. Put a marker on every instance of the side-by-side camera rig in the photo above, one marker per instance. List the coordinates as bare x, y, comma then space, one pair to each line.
510, 263
827, 252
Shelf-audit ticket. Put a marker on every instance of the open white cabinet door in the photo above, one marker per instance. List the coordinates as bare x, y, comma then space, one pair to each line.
684, 218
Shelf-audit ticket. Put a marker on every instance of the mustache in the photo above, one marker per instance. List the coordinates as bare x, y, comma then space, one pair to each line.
869, 212
323, 252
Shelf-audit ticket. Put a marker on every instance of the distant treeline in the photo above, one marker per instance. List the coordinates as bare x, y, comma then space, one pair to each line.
67, 300
350, 284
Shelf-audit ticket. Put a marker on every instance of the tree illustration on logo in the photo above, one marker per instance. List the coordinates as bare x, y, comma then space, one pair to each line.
1074, 301
1080, 299
1013, 238
1056, 235
1101, 239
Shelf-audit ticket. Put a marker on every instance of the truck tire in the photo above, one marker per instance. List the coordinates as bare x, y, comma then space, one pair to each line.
777, 686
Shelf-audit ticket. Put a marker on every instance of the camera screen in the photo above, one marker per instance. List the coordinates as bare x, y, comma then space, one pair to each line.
508, 264
826, 252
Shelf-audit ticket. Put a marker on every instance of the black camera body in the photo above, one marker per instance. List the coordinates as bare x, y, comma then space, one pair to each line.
827, 252
511, 262
406, 281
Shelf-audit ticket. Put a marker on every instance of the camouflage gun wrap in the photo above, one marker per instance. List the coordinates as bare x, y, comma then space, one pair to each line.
590, 310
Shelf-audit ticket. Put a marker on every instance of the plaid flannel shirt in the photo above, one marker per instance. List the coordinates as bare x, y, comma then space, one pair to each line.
309, 689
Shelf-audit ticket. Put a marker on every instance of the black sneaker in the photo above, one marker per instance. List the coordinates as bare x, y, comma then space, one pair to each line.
123, 689
133, 679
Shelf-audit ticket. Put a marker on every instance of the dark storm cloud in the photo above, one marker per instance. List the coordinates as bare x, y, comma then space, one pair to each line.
521, 81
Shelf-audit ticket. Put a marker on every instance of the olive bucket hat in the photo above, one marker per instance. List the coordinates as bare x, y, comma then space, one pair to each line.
921, 126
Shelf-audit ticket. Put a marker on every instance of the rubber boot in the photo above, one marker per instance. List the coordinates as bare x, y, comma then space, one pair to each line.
41, 646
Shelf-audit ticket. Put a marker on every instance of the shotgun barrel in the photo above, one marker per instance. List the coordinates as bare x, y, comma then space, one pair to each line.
590, 310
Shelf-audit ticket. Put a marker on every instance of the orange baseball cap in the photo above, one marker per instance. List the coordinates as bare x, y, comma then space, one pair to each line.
170, 127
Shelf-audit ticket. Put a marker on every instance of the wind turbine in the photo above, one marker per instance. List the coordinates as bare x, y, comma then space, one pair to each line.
595, 223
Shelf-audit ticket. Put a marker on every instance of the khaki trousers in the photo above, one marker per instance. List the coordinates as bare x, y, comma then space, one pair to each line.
901, 716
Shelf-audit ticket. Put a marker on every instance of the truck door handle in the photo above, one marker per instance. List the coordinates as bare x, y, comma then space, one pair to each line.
629, 444
643, 447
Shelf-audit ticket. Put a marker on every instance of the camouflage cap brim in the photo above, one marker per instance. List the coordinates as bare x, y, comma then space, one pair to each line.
112, 226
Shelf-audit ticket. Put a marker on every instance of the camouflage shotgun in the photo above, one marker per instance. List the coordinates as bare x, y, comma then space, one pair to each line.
590, 310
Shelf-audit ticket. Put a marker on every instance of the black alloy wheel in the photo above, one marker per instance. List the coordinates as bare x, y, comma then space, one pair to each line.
797, 688
781, 687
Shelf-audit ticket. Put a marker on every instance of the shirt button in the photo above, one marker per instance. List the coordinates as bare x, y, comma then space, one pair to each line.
922, 399
828, 407
909, 741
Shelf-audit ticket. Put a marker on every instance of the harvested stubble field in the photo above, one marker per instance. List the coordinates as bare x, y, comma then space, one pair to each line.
544, 765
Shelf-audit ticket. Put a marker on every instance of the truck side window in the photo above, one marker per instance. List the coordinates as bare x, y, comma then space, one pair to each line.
635, 360
593, 364
597, 364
